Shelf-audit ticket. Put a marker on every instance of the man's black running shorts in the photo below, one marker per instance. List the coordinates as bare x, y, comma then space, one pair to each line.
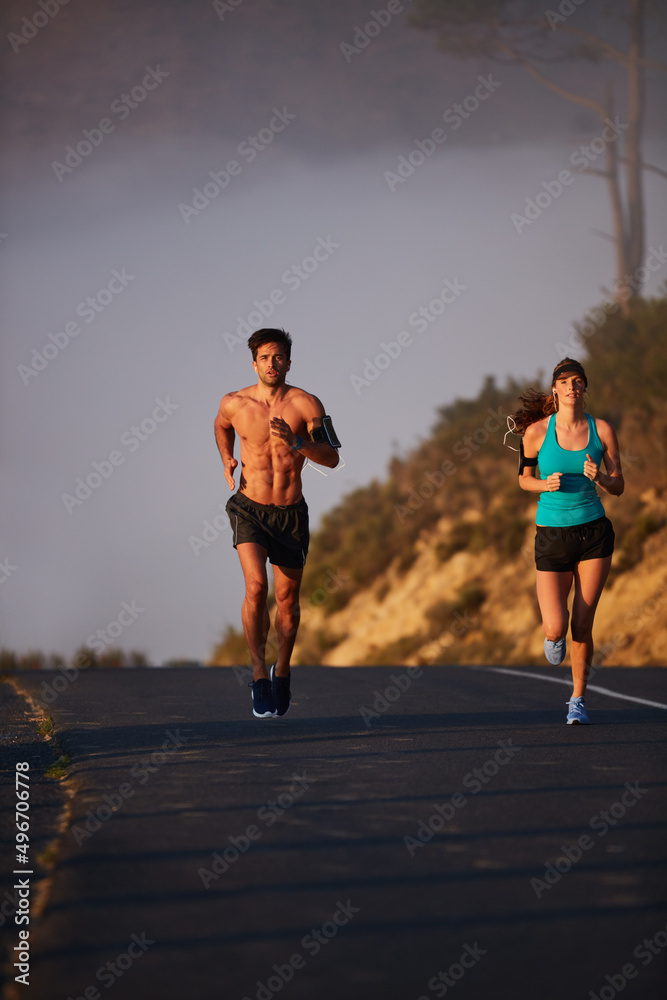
282, 531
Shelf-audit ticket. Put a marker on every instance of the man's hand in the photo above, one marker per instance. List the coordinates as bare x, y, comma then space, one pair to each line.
230, 467
283, 430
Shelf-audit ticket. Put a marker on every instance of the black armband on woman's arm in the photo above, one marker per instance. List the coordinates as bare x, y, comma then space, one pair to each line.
523, 461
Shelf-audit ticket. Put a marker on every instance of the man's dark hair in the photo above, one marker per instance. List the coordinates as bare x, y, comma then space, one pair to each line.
269, 336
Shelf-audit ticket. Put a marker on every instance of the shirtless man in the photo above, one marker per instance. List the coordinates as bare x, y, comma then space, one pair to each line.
279, 426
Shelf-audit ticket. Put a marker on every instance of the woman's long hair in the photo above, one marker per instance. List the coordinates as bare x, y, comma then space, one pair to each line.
535, 406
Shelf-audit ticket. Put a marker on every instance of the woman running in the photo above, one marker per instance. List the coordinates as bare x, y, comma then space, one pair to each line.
574, 539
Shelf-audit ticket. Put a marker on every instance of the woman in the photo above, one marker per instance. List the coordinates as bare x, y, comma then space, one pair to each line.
574, 539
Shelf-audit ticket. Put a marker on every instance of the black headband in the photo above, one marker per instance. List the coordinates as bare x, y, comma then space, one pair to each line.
569, 366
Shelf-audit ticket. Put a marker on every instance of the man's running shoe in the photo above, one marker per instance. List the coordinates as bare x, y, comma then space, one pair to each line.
555, 651
281, 692
263, 706
576, 715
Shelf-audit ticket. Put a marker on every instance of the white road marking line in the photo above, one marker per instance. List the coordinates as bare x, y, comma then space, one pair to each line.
561, 680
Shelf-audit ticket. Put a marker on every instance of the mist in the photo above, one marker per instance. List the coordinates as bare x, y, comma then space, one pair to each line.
132, 278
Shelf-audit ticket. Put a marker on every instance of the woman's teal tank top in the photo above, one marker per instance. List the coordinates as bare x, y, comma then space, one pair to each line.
577, 500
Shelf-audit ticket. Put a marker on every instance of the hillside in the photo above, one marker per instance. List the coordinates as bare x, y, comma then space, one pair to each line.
435, 564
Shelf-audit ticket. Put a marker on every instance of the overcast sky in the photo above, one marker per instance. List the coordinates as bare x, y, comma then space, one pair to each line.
132, 276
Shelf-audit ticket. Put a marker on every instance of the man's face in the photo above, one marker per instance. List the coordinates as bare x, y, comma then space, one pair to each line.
271, 364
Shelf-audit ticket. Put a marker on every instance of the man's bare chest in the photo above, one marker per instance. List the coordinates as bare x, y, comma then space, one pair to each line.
252, 422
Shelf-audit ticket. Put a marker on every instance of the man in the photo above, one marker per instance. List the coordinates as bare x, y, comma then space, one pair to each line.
279, 427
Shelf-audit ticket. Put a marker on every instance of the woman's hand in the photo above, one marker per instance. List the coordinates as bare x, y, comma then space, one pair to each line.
552, 482
591, 470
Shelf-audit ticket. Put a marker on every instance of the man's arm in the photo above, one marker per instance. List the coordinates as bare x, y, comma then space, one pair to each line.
225, 436
322, 453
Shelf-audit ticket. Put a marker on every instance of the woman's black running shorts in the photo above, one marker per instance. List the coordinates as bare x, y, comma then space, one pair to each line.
558, 550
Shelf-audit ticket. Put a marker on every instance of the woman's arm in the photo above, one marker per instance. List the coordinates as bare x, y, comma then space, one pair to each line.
612, 482
528, 481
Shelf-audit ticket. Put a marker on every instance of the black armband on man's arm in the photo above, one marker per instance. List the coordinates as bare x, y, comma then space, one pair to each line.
523, 461
325, 434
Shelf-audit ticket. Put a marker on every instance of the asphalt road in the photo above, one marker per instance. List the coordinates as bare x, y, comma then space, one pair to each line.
461, 841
